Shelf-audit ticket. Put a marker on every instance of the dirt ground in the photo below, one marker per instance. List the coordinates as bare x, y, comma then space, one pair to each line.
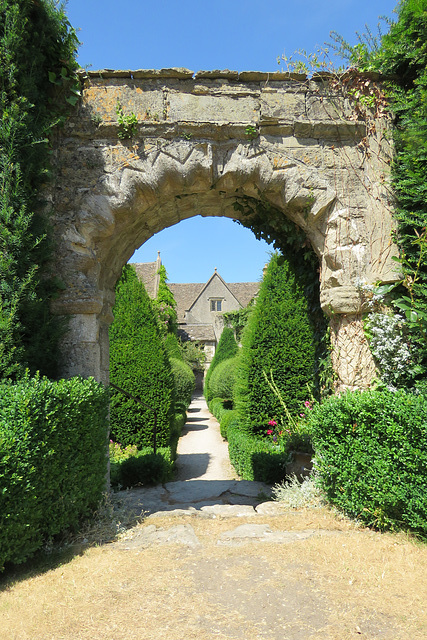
334, 582
305, 574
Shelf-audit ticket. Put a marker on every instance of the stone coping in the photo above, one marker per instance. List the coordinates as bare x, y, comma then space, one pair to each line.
226, 74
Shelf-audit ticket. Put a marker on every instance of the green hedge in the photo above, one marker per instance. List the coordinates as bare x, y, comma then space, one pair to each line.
37, 86
255, 458
145, 468
140, 366
53, 460
172, 347
184, 382
222, 380
278, 341
371, 452
227, 348
228, 417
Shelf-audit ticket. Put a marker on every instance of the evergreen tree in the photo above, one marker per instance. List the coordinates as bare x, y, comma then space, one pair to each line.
139, 365
165, 305
277, 345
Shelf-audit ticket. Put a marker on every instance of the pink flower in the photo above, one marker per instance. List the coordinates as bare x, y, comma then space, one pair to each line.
307, 404
272, 423
269, 432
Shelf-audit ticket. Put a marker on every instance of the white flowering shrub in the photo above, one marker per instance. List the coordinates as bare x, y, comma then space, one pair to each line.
386, 335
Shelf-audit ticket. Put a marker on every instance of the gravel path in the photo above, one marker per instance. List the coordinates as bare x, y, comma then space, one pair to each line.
202, 452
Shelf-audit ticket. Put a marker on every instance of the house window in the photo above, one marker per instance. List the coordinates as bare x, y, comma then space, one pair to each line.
216, 305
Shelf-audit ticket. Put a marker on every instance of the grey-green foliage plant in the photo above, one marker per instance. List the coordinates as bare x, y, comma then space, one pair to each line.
139, 365
279, 343
37, 48
227, 348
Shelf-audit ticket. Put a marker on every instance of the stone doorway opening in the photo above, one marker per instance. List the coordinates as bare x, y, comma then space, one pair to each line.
202, 142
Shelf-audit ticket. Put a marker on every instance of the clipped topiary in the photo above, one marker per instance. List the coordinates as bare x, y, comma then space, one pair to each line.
371, 455
277, 349
184, 382
221, 382
227, 348
140, 366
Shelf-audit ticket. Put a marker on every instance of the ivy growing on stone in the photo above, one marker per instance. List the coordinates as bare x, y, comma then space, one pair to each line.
37, 85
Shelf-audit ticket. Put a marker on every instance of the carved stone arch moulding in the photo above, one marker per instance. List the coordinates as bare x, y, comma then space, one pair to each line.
201, 141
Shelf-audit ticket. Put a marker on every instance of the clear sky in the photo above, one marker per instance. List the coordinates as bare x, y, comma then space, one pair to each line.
240, 35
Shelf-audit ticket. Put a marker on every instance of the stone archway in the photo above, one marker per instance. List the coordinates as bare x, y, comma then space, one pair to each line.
201, 140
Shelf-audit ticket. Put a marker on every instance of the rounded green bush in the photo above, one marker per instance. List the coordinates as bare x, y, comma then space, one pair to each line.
222, 380
371, 452
228, 417
227, 348
184, 382
171, 346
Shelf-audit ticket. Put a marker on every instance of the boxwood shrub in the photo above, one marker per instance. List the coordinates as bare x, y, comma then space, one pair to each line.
53, 459
255, 458
371, 451
184, 382
228, 416
227, 348
221, 382
144, 468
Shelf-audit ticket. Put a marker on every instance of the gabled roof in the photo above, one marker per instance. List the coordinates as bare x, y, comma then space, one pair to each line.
244, 291
147, 273
214, 275
186, 293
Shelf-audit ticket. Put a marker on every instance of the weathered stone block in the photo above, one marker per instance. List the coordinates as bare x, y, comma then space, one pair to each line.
206, 108
282, 106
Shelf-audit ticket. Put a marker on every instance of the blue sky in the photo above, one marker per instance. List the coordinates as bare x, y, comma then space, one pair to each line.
225, 34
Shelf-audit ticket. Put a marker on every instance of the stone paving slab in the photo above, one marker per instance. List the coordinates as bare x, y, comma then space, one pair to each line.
194, 495
184, 534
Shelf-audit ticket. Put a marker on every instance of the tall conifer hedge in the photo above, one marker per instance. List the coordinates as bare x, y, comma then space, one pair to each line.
278, 341
139, 365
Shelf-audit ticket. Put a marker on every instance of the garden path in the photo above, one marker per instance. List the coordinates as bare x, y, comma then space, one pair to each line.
202, 452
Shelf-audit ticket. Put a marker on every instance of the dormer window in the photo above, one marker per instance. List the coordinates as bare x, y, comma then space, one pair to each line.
216, 304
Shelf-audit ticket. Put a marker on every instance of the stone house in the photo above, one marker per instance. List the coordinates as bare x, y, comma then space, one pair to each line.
200, 305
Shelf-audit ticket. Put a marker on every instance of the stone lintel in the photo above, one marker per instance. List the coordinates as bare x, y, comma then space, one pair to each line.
185, 74
217, 74
174, 72
265, 76
341, 130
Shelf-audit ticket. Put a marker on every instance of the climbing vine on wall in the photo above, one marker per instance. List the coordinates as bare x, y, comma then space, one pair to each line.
401, 54
37, 87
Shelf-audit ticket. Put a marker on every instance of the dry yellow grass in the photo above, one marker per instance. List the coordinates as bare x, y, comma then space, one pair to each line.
342, 583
